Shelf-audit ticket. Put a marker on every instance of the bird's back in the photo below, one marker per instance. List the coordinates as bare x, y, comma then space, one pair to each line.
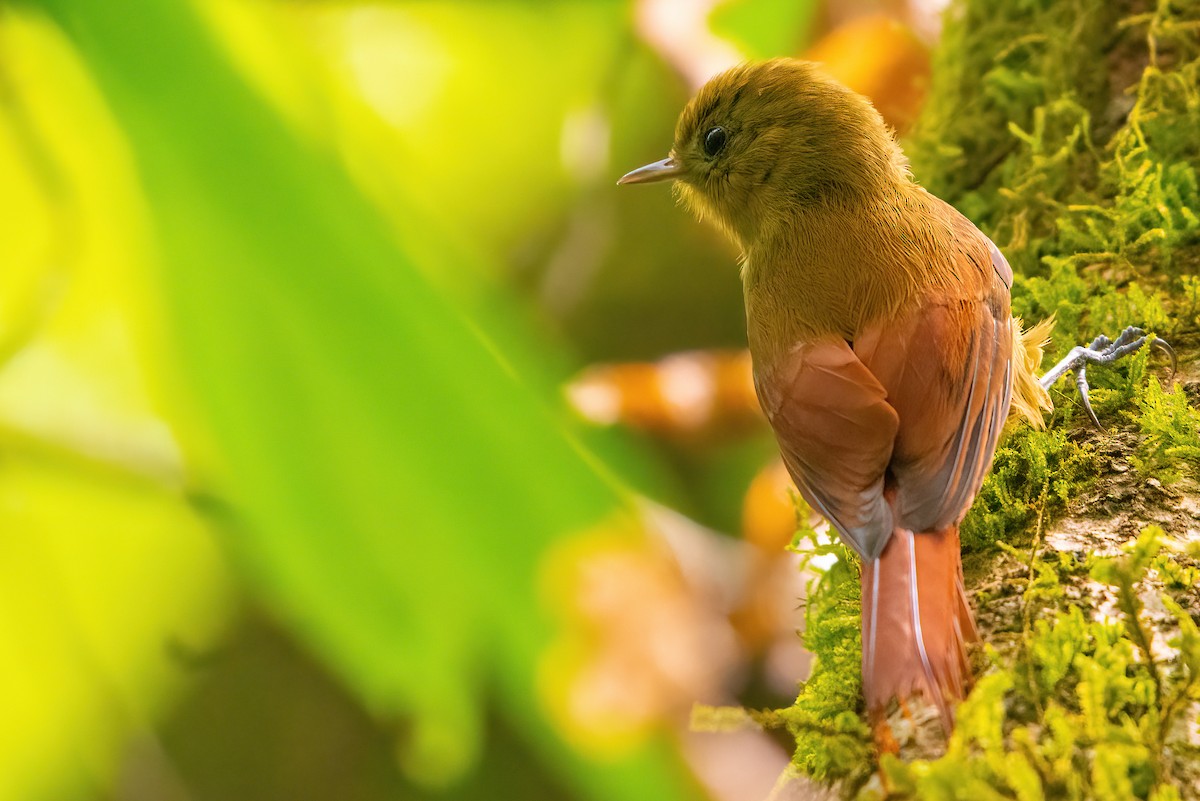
924, 312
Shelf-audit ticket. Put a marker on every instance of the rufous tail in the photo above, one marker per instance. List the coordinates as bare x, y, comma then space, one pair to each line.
916, 622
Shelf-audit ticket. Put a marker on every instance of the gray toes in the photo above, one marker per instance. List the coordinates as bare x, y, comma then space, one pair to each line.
1128, 335
1103, 350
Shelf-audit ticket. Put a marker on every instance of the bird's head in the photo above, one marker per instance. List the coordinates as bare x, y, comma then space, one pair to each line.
762, 142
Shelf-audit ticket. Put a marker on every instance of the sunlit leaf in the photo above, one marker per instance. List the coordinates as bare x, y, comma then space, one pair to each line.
388, 482
109, 582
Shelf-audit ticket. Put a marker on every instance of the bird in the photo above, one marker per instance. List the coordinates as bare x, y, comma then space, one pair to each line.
885, 354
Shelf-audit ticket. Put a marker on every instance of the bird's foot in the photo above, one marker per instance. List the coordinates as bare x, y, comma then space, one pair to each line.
1102, 350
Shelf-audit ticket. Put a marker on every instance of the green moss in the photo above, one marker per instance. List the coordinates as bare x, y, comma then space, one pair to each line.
1170, 430
1030, 131
1007, 131
832, 742
1084, 711
1034, 472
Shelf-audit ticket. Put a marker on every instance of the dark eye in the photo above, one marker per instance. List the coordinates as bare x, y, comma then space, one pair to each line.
714, 141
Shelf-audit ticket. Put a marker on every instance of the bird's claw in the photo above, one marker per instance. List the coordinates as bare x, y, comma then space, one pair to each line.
1166, 348
1082, 384
1103, 350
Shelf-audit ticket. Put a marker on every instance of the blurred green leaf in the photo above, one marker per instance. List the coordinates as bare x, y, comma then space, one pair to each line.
392, 483
109, 580
500, 110
87, 663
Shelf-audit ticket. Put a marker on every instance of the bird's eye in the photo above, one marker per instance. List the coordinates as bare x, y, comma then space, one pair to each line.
714, 141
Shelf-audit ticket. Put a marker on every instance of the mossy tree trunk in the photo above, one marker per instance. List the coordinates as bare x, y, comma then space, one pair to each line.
1069, 131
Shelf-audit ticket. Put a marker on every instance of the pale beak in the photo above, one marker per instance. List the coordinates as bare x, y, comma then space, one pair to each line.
658, 171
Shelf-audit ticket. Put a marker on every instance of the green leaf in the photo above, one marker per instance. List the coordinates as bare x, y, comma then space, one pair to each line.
388, 482
90, 504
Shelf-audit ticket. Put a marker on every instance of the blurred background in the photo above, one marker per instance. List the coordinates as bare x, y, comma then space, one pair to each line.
359, 439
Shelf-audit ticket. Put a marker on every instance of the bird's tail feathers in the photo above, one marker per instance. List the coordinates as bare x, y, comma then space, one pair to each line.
916, 622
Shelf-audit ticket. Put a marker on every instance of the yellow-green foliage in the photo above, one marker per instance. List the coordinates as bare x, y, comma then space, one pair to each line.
1028, 135
1084, 711
832, 742
1033, 471
1171, 432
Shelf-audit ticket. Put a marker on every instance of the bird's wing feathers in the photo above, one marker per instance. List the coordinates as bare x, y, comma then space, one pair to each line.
999, 264
899, 430
947, 369
952, 391
836, 431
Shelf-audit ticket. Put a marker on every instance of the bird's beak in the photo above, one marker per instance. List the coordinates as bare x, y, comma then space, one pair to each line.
658, 171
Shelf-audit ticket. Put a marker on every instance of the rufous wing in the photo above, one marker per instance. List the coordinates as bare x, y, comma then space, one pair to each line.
836, 431
947, 370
